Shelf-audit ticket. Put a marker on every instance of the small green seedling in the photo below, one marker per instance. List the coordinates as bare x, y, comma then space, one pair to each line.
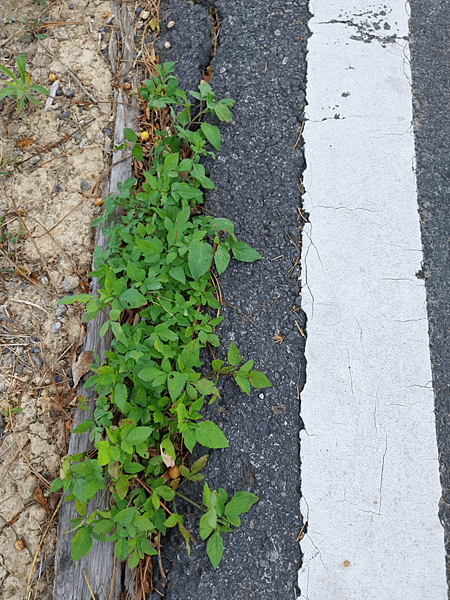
23, 90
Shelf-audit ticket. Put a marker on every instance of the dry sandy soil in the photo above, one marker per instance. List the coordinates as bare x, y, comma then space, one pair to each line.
53, 165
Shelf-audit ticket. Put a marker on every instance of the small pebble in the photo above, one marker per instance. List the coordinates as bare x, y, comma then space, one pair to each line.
107, 131
126, 79
19, 369
70, 283
148, 40
58, 93
34, 338
35, 350
37, 361
102, 30
136, 38
71, 6
138, 11
5, 351
80, 110
57, 378
85, 185
73, 175
29, 191
60, 310
35, 160
65, 115
58, 188
68, 92
56, 327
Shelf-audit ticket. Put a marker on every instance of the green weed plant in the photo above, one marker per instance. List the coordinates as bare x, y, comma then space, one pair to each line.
156, 285
21, 89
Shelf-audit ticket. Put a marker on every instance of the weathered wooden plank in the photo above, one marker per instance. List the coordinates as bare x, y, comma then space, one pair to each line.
107, 579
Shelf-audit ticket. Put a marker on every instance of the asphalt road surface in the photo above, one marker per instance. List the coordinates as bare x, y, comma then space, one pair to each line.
350, 212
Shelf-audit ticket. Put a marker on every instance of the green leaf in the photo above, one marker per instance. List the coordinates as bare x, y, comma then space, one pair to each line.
214, 549
205, 527
241, 502
21, 65
234, 358
121, 549
216, 364
221, 258
205, 386
129, 135
223, 225
139, 435
81, 298
212, 134
171, 162
138, 153
210, 435
38, 88
83, 427
56, 484
176, 382
103, 329
118, 332
258, 380
81, 543
199, 258
189, 439
103, 452
120, 395
178, 274
243, 383
125, 516
244, 253
132, 298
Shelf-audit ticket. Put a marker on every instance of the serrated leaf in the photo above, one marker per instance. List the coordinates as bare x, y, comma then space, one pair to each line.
234, 358
212, 134
258, 380
210, 435
81, 543
199, 258
244, 252
214, 549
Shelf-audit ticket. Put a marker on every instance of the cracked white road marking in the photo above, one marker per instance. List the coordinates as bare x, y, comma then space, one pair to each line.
369, 457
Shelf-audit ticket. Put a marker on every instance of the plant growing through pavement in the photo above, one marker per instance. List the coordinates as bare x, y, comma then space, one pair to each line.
156, 283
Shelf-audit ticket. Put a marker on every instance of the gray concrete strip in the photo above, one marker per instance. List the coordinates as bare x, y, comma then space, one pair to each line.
370, 481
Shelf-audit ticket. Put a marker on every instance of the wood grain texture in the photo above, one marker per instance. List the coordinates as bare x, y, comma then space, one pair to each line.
108, 579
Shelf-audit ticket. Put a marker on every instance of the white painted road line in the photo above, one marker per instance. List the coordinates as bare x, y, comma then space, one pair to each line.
370, 479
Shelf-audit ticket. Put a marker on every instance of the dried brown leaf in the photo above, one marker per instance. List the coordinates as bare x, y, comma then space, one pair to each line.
81, 366
39, 497
24, 142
